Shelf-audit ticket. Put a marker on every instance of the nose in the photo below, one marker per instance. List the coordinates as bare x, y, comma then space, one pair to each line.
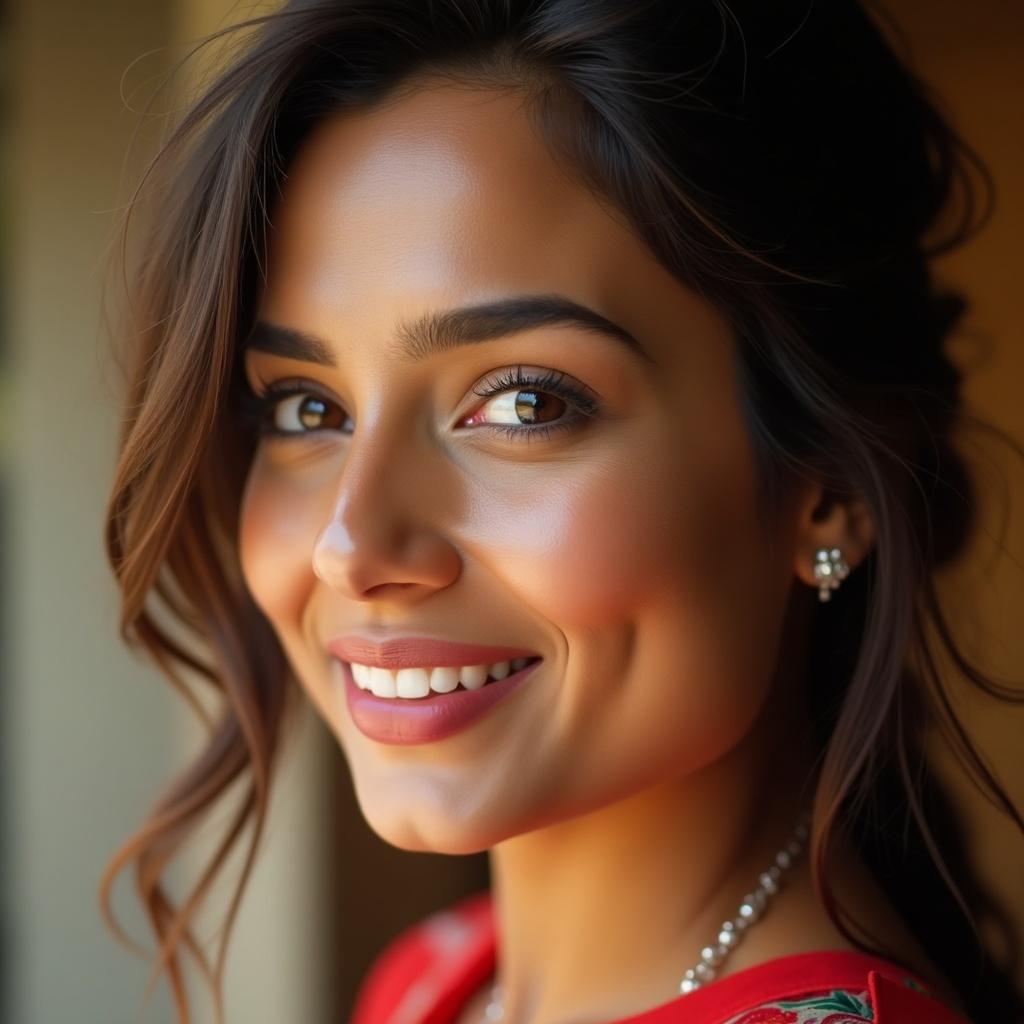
385, 535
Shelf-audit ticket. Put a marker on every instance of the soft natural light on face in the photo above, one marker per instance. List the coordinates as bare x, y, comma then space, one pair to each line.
620, 548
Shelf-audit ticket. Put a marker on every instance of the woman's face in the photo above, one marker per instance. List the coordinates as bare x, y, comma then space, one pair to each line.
610, 529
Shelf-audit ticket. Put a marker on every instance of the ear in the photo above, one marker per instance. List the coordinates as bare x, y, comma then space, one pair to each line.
827, 520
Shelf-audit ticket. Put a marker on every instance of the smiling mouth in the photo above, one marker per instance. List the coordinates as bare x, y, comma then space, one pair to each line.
416, 683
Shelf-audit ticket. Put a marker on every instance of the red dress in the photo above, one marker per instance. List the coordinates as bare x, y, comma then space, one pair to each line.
428, 973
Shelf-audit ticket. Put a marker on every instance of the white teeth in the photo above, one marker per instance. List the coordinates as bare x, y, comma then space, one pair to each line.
412, 683
473, 677
382, 682
444, 678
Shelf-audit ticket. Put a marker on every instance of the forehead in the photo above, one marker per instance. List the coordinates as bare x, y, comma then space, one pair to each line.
446, 195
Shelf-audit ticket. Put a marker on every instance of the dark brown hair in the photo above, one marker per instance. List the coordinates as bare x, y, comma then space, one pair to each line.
778, 158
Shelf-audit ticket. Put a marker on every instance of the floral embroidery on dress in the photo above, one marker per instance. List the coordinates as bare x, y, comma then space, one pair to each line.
835, 1007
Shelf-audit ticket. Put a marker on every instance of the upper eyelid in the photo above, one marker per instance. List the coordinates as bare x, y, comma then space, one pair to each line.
289, 386
496, 382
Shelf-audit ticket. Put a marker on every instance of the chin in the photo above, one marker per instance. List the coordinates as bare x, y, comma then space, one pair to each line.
414, 828
405, 836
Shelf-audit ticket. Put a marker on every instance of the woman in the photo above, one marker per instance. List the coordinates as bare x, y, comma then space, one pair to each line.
553, 393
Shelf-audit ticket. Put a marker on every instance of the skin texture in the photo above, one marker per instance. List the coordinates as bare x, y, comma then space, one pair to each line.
631, 792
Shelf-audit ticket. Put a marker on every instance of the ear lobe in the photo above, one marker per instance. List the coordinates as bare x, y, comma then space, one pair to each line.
828, 520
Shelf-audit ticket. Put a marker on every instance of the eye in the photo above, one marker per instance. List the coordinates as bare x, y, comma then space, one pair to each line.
524, 405
301, 412
291, 409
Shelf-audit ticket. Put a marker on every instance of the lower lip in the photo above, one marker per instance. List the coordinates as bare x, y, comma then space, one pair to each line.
405, 721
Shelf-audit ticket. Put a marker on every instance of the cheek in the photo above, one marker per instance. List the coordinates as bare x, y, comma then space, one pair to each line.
592, 547
655, 572
578, 558
278, 524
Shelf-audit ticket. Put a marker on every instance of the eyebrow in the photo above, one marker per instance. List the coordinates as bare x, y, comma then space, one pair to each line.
448, 329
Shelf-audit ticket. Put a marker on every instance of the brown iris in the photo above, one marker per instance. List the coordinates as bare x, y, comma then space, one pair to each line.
535, 402
314, 412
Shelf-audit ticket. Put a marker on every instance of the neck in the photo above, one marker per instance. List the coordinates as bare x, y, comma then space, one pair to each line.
599, 915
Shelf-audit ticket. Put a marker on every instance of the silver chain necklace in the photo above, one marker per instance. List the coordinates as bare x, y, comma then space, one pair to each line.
732, 931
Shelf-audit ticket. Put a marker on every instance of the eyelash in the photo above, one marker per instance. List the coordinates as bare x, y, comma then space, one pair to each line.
256, 409
550, 382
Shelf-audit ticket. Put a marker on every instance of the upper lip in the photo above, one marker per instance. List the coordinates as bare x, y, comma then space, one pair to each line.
421, 651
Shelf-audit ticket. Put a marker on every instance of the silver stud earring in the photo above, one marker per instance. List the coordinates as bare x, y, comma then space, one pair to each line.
829, 570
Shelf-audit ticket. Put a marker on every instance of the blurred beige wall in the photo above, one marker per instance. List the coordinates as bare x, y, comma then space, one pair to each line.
86, 730
971, 54
91, 734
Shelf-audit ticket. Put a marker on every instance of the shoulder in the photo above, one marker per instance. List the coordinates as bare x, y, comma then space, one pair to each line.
424, 963
427, 971
888, 995
837, 1006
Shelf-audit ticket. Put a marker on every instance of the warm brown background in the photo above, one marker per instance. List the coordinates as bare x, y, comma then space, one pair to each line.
972, 54
88, 734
